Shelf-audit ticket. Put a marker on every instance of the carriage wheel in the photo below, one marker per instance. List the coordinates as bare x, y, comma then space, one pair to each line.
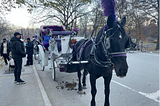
54, 72
42, 67
39, 61
53, 69
41, 57
35, 55
131, 50
143, 49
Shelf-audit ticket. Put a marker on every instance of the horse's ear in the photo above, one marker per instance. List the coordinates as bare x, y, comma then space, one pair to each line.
123, 21
110, 21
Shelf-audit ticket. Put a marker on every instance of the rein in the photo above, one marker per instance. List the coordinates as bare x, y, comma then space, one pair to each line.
119, 54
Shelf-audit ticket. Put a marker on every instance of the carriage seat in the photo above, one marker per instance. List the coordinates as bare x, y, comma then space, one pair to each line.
58, 44
46, 45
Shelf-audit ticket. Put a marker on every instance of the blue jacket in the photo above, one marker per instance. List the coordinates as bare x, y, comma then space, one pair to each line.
46, 39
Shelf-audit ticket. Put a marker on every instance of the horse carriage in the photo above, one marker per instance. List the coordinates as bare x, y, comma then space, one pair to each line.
97, 57
58, 50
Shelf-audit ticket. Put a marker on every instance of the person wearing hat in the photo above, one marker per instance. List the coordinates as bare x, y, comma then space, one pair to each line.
18, 52
5, 50
29, 52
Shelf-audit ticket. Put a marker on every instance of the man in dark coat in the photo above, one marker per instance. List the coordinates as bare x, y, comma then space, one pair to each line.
17, 49
5, 50
29, 52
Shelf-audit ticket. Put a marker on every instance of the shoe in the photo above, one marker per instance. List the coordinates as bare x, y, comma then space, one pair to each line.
26, 65
15, 81
20, 82
6, 64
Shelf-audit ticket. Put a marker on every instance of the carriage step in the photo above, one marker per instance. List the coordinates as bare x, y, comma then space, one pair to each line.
78, 62
73, 62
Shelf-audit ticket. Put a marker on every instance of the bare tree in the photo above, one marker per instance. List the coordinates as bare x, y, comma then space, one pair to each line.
97, 18
3, 28
65, 12
135, 17
151, 8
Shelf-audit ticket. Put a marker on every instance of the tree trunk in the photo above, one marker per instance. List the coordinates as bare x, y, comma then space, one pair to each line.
157, 46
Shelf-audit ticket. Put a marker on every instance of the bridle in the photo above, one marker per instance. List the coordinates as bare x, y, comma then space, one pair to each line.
105, 42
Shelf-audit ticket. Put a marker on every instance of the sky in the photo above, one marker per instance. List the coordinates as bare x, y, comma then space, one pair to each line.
19, 17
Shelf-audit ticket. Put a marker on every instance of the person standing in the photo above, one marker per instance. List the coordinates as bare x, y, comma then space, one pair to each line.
29, 52
17, 49
5, 50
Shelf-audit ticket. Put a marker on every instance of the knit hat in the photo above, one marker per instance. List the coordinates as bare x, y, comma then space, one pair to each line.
17, 33
28, 38
4, 38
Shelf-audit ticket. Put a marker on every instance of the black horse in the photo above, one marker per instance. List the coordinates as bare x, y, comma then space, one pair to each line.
104, 54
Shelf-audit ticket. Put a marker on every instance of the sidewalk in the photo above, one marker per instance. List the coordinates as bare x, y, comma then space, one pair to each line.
28, 94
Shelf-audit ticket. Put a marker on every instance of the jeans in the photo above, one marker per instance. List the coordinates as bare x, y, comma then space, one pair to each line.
18, 67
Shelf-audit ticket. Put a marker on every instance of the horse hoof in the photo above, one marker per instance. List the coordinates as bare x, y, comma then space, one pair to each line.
80, 92
84, 87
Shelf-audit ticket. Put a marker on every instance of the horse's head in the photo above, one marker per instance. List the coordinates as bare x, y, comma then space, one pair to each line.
113, 45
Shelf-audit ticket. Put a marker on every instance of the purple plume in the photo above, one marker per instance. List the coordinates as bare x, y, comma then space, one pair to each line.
74, 29
108, 7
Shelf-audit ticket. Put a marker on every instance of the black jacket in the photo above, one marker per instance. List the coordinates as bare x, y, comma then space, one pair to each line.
17, 48
8, 48
29, 48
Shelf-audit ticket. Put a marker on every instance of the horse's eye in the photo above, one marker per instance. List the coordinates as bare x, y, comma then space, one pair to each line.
120, 36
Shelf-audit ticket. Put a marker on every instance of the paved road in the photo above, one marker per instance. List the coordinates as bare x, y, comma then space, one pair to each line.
139, 88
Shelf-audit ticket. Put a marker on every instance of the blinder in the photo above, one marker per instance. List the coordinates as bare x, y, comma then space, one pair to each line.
107, 38
107, 43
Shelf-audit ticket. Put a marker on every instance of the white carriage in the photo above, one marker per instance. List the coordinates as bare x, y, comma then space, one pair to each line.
58, 52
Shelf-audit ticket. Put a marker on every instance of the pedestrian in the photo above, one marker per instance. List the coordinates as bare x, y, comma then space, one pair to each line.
29, 52
46, 38
5, 50
18, 52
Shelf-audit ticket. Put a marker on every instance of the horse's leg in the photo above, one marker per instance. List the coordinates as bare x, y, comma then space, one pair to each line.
107, 80
79, 84
93, 89
84, 78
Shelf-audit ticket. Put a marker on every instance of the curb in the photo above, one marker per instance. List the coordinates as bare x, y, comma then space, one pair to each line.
43, 92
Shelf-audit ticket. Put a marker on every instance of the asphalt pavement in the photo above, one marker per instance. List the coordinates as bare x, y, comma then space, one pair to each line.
139, 88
